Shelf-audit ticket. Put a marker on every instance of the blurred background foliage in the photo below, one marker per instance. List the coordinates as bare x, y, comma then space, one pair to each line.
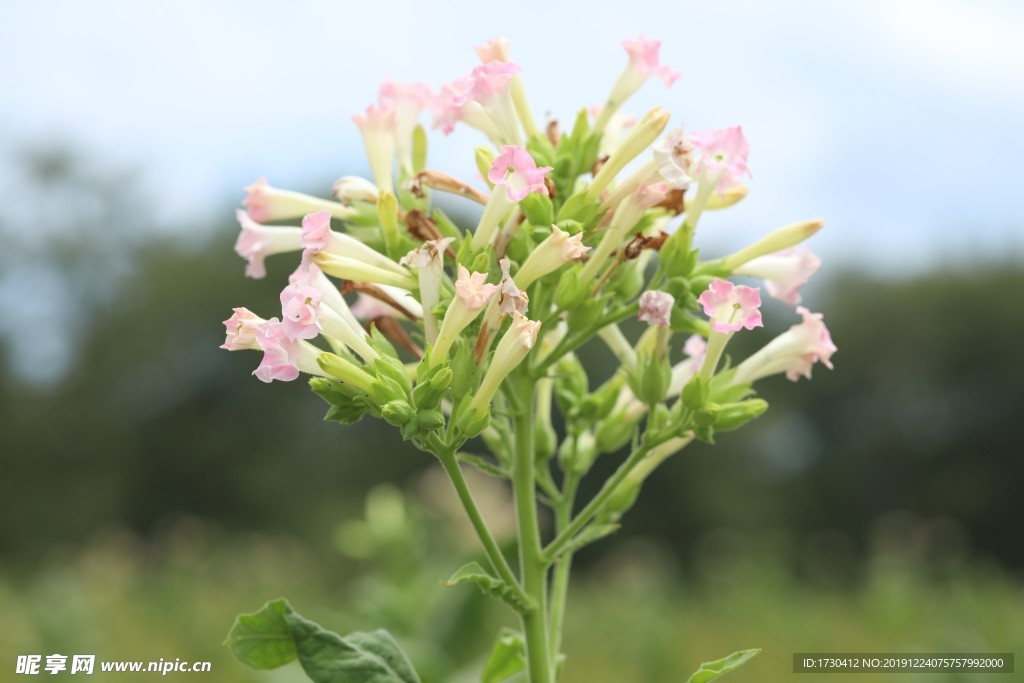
150, 489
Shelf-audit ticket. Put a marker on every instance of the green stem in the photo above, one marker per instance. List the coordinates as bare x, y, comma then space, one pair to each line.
498, 562
533, 568
563, 567
598, 501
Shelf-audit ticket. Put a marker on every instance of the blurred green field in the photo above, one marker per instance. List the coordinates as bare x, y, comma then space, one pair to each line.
635, 616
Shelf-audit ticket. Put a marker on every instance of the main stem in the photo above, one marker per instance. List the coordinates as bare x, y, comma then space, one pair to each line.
533, 567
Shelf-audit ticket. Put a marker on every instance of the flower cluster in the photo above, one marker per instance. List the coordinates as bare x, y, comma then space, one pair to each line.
449, 334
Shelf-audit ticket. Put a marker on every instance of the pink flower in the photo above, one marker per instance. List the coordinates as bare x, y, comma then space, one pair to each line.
450, 102
793, 352
255, 242
491, 80
643, 57
731, 307
656, 307
241, 330
316, 231
783, 272
723, 150
510, 297
394, 96
652, 194
281, 355
377, 117
516, 170
473, 290
257, 201
406, 100
378, 126
299, 307
695, 349
494, 50
481, 100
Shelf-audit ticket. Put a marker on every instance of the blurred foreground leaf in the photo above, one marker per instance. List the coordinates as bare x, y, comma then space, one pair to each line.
507, 658
276, 635
709, 671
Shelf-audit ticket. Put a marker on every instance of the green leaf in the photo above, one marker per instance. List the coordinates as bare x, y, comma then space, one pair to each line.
495, 587
507, 658
277, 635
709, 671
262, 640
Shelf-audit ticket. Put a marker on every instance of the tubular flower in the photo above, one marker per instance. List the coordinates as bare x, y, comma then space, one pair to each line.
731, 307
554, 252
318, 238
406, 100
428, 260
643, 63
723, 151
331, 315
673, 155
299, 304
494, 50
256, 242
510, 297
472, 293
783, 272
510, 352
377, 125
241, 330
265, 203
656, 307
514, 174
481, 100
516, 171
793, 352
283, 358
643, 60
350, 188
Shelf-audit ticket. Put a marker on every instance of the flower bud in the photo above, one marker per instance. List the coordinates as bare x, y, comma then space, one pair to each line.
777, 240
734, 415
430, 420
397, 413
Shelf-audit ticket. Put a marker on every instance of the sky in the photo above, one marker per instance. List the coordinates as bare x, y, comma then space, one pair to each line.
895, 120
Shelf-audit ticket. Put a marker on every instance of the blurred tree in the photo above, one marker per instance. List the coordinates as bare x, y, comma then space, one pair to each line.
117, 407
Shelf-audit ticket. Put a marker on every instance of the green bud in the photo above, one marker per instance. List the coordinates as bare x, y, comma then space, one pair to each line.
384, 389
482, 261
733, 415
430, 420
606, 396
652, 377
571, 384
465, 373
614, 433
429, 392
545, 441
584, 453
393, 369
695, 393
397, 413
410, 429
571, 291
620, 501
678, 287
628, 280
584, 314
707, 415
